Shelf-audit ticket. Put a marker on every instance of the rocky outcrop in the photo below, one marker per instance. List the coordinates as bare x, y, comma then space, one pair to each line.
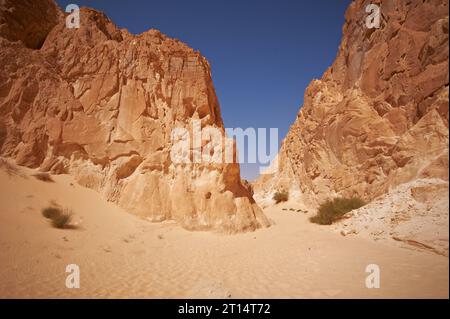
379, 115
28, 21
414, 214
101, 104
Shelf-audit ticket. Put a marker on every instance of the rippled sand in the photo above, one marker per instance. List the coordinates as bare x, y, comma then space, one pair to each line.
121, 255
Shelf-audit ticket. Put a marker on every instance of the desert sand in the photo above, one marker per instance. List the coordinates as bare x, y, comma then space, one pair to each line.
121, 255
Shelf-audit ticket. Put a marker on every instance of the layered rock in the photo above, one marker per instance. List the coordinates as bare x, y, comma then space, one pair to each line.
101, 104
379, 115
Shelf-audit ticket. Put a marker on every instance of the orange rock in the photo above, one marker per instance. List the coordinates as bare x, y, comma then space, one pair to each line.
379, 115
100, 104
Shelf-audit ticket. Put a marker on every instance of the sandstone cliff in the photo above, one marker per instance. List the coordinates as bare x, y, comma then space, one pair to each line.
379, 115
100, 104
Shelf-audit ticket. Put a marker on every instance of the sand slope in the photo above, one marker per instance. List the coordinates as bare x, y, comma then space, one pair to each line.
121, 255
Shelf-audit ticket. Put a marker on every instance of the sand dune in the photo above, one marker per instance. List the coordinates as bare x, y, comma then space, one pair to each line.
121, 255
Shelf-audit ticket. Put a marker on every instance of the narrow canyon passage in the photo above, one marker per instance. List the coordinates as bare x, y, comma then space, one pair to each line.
319, 168
121, 255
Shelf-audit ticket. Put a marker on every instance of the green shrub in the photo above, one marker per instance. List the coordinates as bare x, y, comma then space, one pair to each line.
51, 212
279, 197
335, 209
62, 220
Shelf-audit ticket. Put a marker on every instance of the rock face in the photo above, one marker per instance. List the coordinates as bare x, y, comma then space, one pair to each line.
379, 115
28, 21
101, 104
414, 214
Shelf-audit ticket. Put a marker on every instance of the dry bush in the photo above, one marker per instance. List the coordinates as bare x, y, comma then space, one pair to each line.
51, 212
62, 220
281, 196
333, 210
59, 218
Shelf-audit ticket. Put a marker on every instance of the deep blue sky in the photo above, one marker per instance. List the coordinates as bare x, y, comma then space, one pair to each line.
263, 54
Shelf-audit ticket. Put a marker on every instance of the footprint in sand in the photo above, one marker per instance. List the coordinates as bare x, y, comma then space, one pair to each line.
107, 249
129, 239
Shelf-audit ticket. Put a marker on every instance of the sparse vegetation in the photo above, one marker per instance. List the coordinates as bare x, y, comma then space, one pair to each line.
60, 218
45, 177
281, 196
333, 210
51, 212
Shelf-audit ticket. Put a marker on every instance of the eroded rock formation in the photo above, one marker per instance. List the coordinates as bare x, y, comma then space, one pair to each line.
413, 214
379, 115
100, 104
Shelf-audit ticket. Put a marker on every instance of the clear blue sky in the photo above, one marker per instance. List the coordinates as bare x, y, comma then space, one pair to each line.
263, 54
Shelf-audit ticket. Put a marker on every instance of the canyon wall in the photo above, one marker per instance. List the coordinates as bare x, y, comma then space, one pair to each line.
101, 104
379, 115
